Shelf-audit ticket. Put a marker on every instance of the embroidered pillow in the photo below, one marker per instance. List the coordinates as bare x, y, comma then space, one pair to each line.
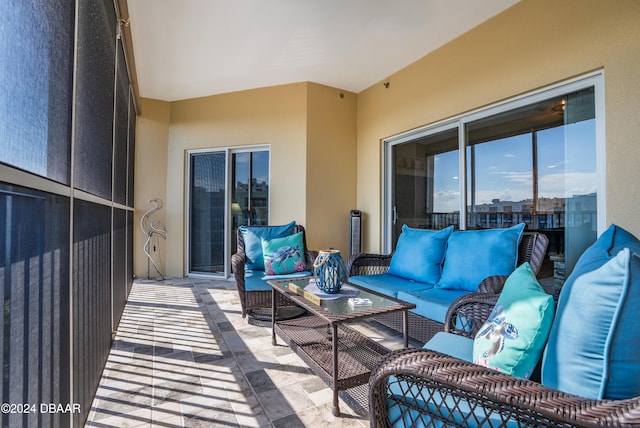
253, 235
513, 338
283, 255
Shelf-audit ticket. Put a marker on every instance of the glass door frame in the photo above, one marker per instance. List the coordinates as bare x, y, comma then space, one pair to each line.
228, 151
594, 79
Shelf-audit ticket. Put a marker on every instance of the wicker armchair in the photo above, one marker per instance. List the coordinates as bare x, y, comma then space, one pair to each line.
258, 302
421, 388
532, 249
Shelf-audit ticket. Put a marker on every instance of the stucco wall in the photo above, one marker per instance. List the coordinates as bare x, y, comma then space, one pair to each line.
331, 172
310, 130
321, 142
152, 137
532, 45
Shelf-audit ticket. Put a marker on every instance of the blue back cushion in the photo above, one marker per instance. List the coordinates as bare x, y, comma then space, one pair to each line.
593, 347
253, 235
473, 255
419, 254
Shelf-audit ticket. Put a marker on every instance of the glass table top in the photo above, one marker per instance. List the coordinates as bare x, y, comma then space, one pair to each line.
339, 303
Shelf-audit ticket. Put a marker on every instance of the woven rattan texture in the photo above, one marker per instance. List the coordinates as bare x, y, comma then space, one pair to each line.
261, 299
426, 388
311, 338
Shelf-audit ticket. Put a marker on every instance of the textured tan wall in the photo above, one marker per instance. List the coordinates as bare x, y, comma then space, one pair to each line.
533, 44
274, 116
152, 133
331, 161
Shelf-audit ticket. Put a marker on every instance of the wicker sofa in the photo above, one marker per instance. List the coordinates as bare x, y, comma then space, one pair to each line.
589, 370
253, 290
423, 325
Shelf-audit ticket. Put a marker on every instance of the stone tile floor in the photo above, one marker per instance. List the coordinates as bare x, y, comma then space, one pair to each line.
184, 357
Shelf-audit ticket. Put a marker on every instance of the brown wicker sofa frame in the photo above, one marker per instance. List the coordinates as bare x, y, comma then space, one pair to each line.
261, 300
440, 390
532, 249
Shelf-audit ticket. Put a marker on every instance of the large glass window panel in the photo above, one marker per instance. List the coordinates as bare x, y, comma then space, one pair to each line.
260, 188
426, 182
537, 165
500, 181
567, 180
36, 45
207, 213
250, 191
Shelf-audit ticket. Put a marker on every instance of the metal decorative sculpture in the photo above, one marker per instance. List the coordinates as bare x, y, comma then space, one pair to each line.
153, 229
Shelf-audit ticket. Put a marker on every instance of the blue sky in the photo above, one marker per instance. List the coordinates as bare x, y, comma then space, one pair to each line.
504, 168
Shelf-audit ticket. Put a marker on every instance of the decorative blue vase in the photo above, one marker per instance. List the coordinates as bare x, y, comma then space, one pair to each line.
329, 271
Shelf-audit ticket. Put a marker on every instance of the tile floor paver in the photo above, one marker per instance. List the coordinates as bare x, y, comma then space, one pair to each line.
184, 357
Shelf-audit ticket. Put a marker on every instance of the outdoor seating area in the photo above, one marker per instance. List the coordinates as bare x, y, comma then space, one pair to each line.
434, 303
513, 356
249, 270
505, 352
577, 368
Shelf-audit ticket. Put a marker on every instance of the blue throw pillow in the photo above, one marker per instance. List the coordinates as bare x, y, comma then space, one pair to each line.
253, 235
514, 336
473, 255
607, 246
283, 255
593, 347
419, 254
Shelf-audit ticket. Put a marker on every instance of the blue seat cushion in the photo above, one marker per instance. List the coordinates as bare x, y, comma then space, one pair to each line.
473, 255
454, 345
593, 347
387, 284
256, 280
432, 303
419, 254
253, 236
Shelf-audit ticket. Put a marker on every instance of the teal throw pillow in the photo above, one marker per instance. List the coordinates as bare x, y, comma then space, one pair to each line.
513, 338
419, 254
473, 255
593, 347
253, 235
284, 255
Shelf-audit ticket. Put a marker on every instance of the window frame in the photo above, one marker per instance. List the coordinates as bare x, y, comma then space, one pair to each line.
594, 79
228, 151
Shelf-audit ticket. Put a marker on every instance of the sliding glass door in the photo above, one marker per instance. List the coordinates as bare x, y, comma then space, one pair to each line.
250, 191
227, 189
426, 184
535, 160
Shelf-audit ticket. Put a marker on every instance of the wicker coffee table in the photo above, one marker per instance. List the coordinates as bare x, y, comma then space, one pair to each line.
340, 355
